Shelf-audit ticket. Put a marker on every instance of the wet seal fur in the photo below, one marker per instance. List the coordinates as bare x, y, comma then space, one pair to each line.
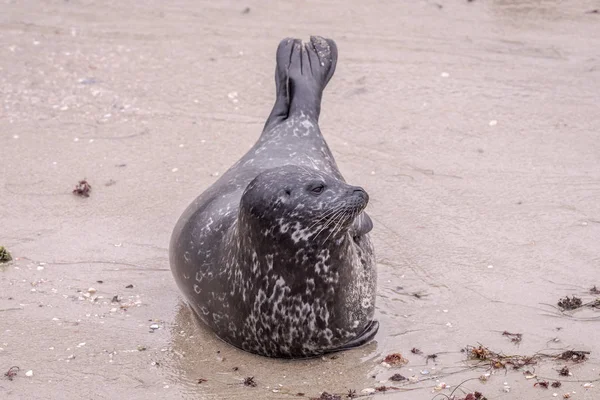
275, 256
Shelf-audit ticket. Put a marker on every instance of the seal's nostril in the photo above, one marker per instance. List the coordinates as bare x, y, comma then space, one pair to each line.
360, 192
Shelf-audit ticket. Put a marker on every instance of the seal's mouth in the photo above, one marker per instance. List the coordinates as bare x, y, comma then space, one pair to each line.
340, 216
358, 199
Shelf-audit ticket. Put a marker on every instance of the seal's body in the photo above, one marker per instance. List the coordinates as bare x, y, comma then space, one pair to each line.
275, 256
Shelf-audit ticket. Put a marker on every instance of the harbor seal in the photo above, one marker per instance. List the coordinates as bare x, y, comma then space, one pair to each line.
275, 256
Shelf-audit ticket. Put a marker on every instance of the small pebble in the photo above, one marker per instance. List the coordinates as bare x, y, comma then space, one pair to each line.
368, 391
493, 122
92, 290
29, 373
444, 75
154, 326
40, 268
175, 170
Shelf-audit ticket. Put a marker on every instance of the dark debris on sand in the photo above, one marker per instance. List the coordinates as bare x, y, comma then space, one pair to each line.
327, 396
542, 384
4, 255
474, 396
570, 303
249, 381
514, 337
397, 378
385, 388
12, 372
594, 290
82, 189
564, 371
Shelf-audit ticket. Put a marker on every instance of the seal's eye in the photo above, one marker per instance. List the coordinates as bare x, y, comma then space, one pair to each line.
318, 189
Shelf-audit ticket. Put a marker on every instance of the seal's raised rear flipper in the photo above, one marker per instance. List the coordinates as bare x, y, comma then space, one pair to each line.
303, 70
363, 338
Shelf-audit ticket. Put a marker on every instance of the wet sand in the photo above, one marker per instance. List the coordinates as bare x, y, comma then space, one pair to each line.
472, 125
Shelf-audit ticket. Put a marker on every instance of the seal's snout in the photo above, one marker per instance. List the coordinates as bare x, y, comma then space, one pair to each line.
360, 193
358, 197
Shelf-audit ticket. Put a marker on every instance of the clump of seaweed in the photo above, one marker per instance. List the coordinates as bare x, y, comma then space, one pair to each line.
573, 355
498, 360
395, 359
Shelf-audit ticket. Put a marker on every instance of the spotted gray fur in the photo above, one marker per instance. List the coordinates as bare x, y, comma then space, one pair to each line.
275, 256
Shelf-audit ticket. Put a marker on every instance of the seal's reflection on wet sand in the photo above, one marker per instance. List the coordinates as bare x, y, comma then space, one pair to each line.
199, 353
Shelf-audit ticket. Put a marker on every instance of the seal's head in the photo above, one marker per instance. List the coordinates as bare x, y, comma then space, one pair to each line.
305, 203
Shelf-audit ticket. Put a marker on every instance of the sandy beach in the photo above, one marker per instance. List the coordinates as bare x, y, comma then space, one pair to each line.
473, 125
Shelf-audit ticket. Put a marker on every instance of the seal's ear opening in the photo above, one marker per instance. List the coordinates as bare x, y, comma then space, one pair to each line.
262, 199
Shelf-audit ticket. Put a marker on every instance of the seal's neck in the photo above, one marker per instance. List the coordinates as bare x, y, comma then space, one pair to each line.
284, 250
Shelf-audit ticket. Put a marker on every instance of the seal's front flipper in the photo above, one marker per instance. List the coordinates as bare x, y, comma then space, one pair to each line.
363, 338
303, 70
361, 225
